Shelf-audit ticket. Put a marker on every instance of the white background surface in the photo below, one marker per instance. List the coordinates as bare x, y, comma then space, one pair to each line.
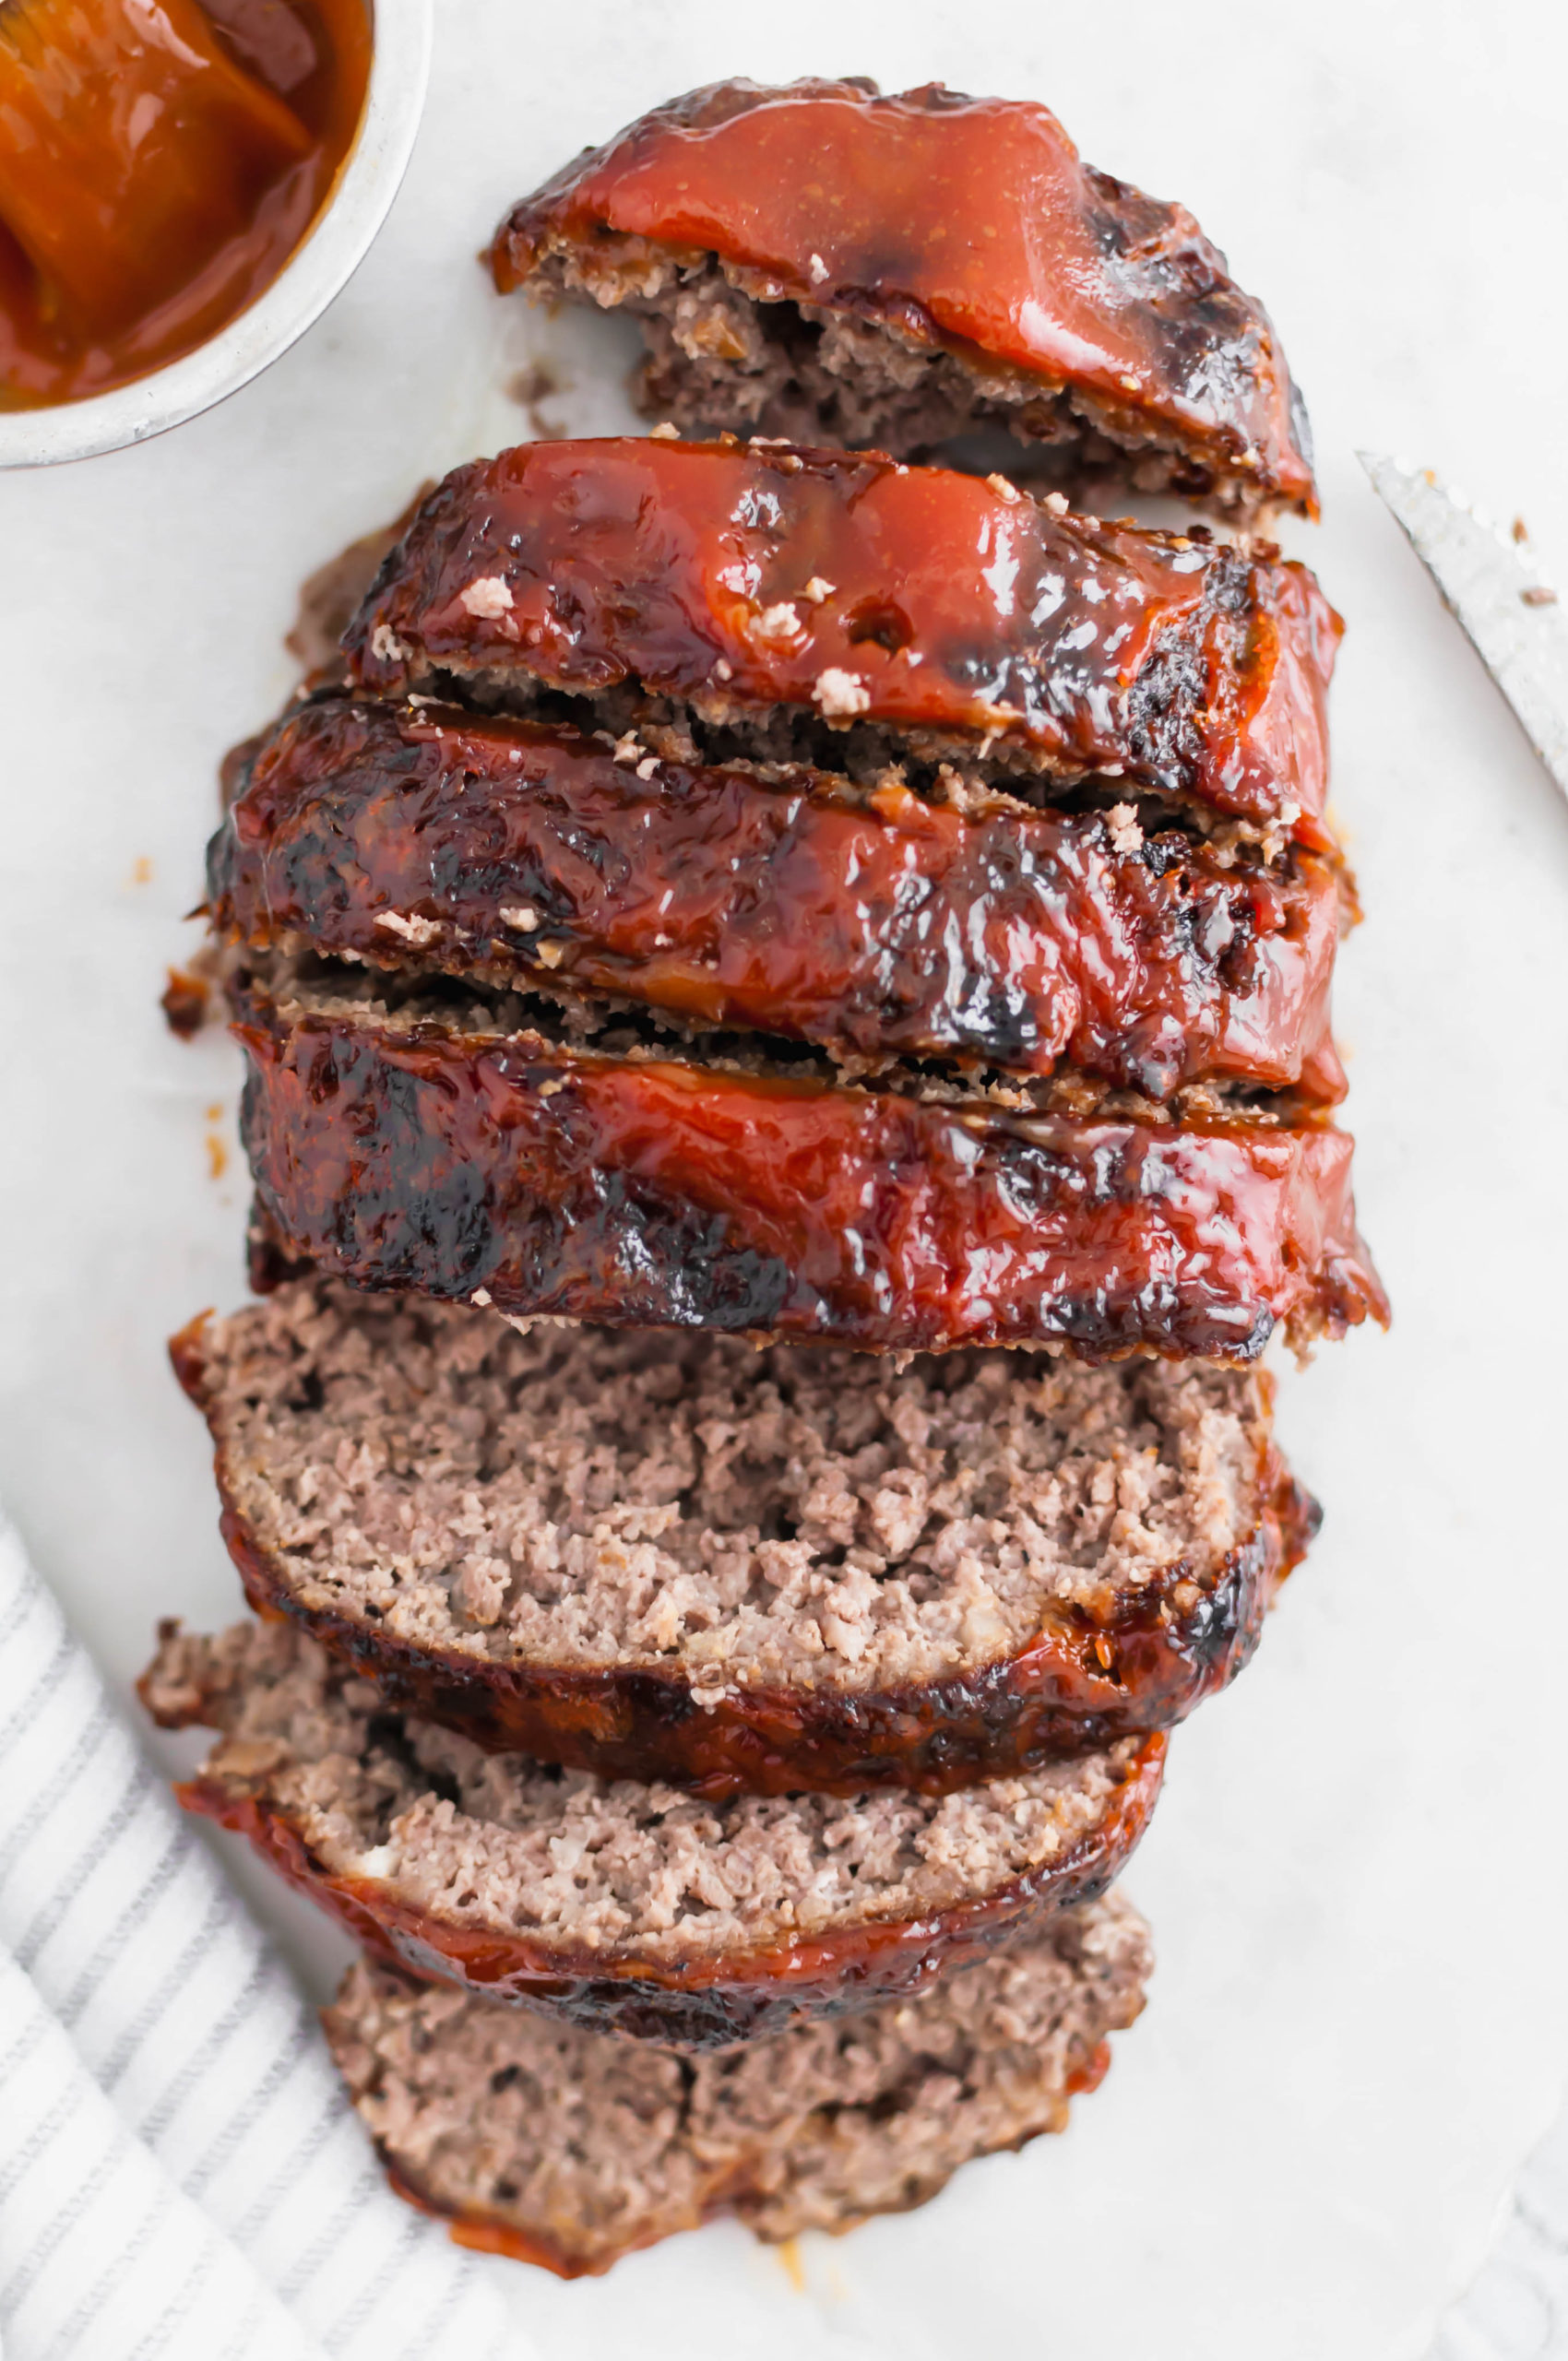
1357, 1880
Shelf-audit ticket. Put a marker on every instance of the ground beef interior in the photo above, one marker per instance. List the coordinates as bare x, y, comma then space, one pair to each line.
502, 1846
798, 1516
569, 2148
893, 269
716, 359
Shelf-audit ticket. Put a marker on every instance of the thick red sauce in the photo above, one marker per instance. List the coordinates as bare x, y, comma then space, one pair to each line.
850, 588
656, 1194
160, 161
972, 224
870, 924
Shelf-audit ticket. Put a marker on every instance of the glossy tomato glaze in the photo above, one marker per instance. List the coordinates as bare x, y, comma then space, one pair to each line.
158, 168
969, 224
655, 1193
962, 615
705, 2000
872, 924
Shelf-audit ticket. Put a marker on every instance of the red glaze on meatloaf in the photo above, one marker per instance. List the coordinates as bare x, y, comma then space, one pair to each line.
865, 919
965, 618
954, 225
450, 1155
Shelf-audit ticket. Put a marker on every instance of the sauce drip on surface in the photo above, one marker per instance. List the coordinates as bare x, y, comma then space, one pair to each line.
160, 161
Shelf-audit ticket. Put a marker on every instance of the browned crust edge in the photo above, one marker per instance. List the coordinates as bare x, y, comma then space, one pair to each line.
1071, 1692
700, 2001
535, 231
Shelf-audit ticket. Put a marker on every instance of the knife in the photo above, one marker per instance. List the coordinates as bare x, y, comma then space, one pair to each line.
1487, 581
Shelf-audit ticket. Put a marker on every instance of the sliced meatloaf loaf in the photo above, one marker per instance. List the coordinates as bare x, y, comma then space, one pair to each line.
797, 903
845, 611
512, 1153
633, 1907
570, 2148
675, 1558
822, 259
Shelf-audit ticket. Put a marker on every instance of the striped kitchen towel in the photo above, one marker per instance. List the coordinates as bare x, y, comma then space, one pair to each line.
179, 2171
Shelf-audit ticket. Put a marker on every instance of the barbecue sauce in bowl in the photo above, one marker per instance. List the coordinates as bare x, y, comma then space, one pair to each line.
160, 161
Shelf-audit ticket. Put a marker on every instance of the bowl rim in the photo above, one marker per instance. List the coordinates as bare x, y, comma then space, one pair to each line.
320, 266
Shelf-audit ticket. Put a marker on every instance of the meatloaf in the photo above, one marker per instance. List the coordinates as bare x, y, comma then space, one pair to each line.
570, 2148
674, 1558
512, 1153
809, 605
783, 900
632, 1908
822, 260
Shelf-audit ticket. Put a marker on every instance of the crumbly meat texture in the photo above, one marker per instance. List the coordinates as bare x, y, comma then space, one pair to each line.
329, 597
570, 2147
795, 1518
409, 994
718, 360
496, 1842
806, 257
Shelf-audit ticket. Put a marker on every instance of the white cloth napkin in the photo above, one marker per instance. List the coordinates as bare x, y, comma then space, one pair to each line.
181, 2174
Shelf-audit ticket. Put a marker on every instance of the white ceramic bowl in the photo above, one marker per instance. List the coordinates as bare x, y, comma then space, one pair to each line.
307, 283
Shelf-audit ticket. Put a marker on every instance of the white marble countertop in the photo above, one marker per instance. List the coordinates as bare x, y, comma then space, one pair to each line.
1358, 1882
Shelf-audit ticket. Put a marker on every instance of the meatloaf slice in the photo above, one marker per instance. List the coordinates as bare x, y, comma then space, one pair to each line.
822, 260
505, 1153
676, 1558
786, 900
632, 1908
810, 605
570, 2148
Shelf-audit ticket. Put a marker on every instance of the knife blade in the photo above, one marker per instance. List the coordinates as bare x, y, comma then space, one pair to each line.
1489, 583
